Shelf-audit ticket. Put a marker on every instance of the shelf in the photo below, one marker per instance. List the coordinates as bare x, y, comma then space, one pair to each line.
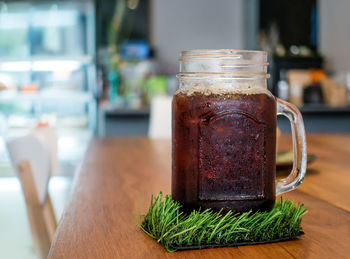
83, 59
306, 109
44, 63
127, 112
322, 109
298, 58
62, 96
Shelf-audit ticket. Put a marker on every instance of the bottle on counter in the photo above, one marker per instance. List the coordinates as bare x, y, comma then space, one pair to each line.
282, 86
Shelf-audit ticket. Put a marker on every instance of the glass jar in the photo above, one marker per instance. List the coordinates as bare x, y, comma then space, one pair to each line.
224, 133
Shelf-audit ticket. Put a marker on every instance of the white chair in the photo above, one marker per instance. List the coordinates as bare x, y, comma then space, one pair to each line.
160, 120
48, 138
31, 159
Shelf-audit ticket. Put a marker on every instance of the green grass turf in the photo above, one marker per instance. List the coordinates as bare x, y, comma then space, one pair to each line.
175, 230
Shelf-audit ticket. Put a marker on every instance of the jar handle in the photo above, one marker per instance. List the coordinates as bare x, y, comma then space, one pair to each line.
297, 174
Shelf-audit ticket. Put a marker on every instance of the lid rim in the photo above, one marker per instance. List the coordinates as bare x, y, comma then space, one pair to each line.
224, 62
223, 75
232, 51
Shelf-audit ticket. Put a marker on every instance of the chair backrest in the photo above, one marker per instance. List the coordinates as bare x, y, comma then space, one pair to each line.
160, 120
31, 149
48, 137
31, 160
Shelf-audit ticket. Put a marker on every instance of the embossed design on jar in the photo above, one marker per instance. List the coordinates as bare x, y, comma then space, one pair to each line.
231, 157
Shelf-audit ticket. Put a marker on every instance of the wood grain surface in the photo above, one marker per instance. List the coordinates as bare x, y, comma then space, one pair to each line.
118, 177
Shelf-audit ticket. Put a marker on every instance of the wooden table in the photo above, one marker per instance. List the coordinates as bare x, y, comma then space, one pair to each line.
118, 176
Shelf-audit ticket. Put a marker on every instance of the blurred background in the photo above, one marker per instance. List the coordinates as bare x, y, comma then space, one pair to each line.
92, 68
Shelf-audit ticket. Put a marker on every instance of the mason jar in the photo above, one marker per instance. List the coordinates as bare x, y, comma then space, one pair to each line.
224, 133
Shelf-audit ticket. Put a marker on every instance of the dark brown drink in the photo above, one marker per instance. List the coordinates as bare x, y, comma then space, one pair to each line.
224, 147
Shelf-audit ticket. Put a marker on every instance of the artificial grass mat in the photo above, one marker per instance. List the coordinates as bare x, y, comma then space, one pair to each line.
175, 230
